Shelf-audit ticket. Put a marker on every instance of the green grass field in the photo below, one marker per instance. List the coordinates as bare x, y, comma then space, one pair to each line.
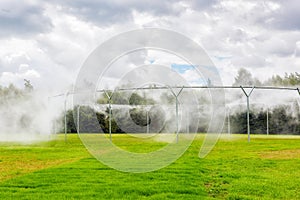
266, 168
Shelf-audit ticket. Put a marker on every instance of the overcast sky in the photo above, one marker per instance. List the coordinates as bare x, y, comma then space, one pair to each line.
48, 41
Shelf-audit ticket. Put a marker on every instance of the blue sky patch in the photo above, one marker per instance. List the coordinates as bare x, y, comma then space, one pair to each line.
181, 68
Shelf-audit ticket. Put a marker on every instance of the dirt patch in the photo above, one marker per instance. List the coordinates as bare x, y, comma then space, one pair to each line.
282, 154
12, 169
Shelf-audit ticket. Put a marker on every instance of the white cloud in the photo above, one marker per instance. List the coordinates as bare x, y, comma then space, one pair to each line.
48, 42
22, 18
18, 77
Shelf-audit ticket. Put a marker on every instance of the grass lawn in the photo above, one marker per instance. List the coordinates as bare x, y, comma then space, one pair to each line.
266, 168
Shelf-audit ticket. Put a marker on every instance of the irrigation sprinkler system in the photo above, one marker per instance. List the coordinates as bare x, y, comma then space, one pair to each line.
147, 121
188, 121
228, 122
181, 88
65, 108
109, 110
177, 118
78, 120
268, 121
248, 109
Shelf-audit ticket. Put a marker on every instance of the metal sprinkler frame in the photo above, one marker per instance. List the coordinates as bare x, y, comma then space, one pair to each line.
176, 98
248, 109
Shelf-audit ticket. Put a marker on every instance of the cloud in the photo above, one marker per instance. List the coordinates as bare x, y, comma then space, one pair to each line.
55, 37
22, 18
106, 13
18, 77
287, 16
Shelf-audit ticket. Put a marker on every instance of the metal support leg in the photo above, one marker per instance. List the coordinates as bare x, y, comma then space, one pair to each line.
267, 121
65, 108
187, 121
55, 127
109, 113
147, 113
248, 119
248, 109
109, 120
228, 118
78, 121
177, 118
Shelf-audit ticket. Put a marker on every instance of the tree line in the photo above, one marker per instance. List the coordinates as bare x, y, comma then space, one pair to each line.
282, 119
130, 115
135, 115
244, 77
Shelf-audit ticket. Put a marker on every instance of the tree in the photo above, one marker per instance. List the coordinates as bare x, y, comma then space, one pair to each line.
259, 125
139, 116
136, 99
245, 78
239, 122
292, 79
120, 97
275, 80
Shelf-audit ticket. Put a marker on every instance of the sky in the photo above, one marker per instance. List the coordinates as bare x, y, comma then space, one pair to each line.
48, 41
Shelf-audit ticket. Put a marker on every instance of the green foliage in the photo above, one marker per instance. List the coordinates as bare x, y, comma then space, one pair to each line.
12, 94
136, 99
167, 98
93, 121
15, 106
244, 78
292, 79
139, 116
281, 121
90, 120
120, 98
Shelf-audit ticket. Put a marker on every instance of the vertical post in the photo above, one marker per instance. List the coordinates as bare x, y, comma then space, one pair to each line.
267, 120
248, 119
298, 89
109, 113
147, 113
65, 113
177, 119
228, 118
109, 119
48, 105
78, 121
248, 109
54, 126
187, 121
65, 107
